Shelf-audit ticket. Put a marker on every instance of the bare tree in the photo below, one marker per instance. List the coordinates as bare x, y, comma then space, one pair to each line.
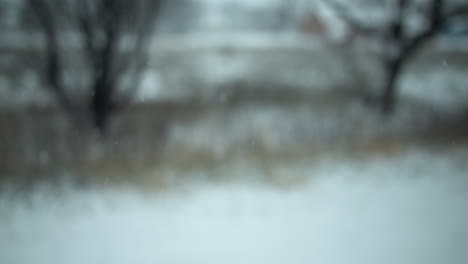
402, 28
107, 41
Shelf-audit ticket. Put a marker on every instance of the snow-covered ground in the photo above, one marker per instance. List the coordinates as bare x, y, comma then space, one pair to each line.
409, 208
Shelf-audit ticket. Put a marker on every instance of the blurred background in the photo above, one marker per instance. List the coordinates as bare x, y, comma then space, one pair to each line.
228, 131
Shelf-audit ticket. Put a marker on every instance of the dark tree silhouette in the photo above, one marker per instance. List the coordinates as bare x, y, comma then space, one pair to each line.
112, 41
397, 35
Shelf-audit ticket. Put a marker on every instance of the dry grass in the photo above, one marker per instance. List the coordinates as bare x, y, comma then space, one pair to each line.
136, 151
177, 169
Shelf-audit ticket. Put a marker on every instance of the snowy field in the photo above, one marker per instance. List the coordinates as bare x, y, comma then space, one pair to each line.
408, 208
390, 203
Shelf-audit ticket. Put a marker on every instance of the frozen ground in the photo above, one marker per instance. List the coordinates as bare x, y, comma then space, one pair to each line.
409, 208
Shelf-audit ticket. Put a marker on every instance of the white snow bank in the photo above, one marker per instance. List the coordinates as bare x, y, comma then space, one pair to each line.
411, 209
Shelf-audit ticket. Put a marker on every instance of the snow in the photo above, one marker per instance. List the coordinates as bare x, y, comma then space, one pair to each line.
403, 209
442, 87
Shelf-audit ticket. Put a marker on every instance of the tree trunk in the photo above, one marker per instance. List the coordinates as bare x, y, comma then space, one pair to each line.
101, 105
389, 94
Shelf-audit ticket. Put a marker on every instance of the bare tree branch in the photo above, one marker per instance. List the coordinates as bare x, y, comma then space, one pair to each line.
438, 20
105, 28
398, 43
54, 71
